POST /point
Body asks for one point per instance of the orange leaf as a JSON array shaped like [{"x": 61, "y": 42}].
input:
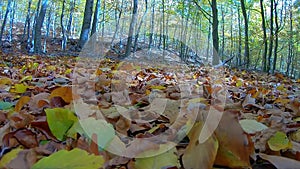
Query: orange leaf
[
  {"x": 22, "y": 101},
  {"x": 64, "y": 92}
]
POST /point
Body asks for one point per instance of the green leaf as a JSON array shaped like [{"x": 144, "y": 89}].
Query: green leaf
[
  {"x": 252, "y": 126},
  {"x": 9, "y": 156},
  {"x": 164, "y": 160},
  {"x": 75, "y": 159},
  {"x": 279, "y": 141},
  {"x": 20, "y": 88},
  {"x": 5, "y": 105},
  {"x": 104, "y": 131},
  {"x": 60, "y": 121}
]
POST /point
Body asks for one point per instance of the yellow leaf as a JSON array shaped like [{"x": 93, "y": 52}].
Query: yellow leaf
[
  {"x": 281, "y": 88},
  {"x": 239, "y": 83},
  {"x": 279, "y": 141},
  {"x": 158, "y": 87},
  {"x": 9, "y": 156},
  {"x": 20, "y": 88},
  {"x": 22, "y": 101},
  {"x": 68, "y": 71},
  {"x": 283, "y": 101},
  {"x": 5, "y": 81},
  {"x": 64, "y": 92},
  {"x": 26, "y": 78}
]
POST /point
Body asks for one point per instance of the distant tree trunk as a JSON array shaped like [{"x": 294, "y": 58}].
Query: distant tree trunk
[
  {"x": 276, "y": 36},
  {"x": 131, "y": 28},
  {"x": 118, "y": 23},
  {"x": 38, "y": 28},
  {"x": 208, "y": 42},
  {"x": 69, "y": 27},
  {"x": 239, "y": 60},
  {"x": 271, "y": 36},
  {"x": 264, "y": 58},
  {"x": 223, "y": 34},
  {"x": 34, "y": 24},
  {"x": 215, "y": 34},
  {"x": 47, "y": 29},
  {"x": 291, "y": 46},
  {"x": 63, "y": 29},
  {"x": 152, "y": 24},
  {"x": 231, "y": 34},
  {"x": 12, "y": 18},
  {"x": 27, "y": 23},
  {"x": 247, "y": 50},
  {"x": 8, "y": 8},
  {"x": 140, "y": 26},
  {"x": 86, "y": 25},
  {"x": 103, "y": 18},
  {"x": 96, "y": 17}
]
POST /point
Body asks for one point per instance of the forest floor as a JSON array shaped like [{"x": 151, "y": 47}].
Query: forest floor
[{"x": 71, "y": 112}]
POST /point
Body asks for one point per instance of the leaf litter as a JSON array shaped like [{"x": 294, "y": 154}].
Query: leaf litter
[{"x": 39, "y": 124}]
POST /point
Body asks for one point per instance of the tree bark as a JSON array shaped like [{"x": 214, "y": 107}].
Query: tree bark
[
  {"x": 152, "y": 24},
  {"x": 63, "y": 29},
  {"x": 140, "y": 26},
  {"x": 264, "y": 58},
  {"x": 215, "y": 34},
  {"x": 96, "y": 17},
  {"x": 38, "y": 28},
  {"x": 276, "y": 36},
  {"x": 271, "y": 36},
  {"x": 8, "y": 8},
  {"x": 247, "y": 50},
  {"x": 131, "y": 28},
  {"x": 86, "y": 25}
]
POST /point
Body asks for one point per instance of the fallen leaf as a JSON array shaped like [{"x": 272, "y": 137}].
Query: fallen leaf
[
  {"x": 9, "y": 156},
  {"x": 279, "y": 141},
  {"x": 60, "y": 121},
  {"x": 22, "y": 101},
  {"x": 75, "y": 159},
  {"x": 20, "y": 88},
  {"x": 281, "y": 162},
  {"x": 64, "y": 92},
  {"x": 252, "y": 126},
  {"x": 200, "y": 155},
  {"x": 5, "y": 105},
  {"x": 165, "y": 160}
]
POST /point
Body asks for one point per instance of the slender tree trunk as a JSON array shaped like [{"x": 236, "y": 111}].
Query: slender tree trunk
[
  {"x": 96, "y": 17},
  {"x": 247, "y": 50},
  {"x": 103, "y": 18},
  {"x": 152, "y": 24},
  {"x": 290, "y": 48},
  {"x": 117, "y": 24},
  {"x": 276, "y": 37},
  {"x": 47, "y": 29},
  {"x": 8, "y": 8},
  {"x": 140, "y": 26},
  {"x": 223, "y": 34},
  {"x": 271, "y": 36},
  {"x": 264, "y": 58},
  {"x": 27, "y": 22},
  {"x": 86, "y": 25},
  {"x": 215, "y": 34},
  {"x": 12, "y": 18},
  {"x": 131, "y": 28},
  {"x": 38, "y": 28},
  {"x": 240, "y": 40},
  {"x": 69, "y": 27},
  {"x": 63, "y": 29}
]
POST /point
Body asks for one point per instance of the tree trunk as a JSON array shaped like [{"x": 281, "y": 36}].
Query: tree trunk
[
  {"x": 290, "y": 48},
  {"x": 271, "y": 36},
  {"x": 63, "y": 29},
  {"x": 131, "y": 28},
  {"x": 69, "y": 27},
  {"x": 239, "y": 60},
  {"x": 276, "y": 37},
  {"x": 38, "y": 28},
  {"x": 246, "y": 54},
  {"x": 47, "y": 29},
  {"x": 264, "y": 58},
  {"x": 86, "y": 25},
  {"x": 139, "y": 27},
  {"x": 223, "y": 34},
  {"x": 96, "y": 17},
  {"x": 152, "y": 24},
  {"x": 215, "y": 34},
  {"x": 12, "y": 18},
  {"x": 117, "y": 24},
  {"x": 8, "y": 8},
  {"x": 27, "y": 23}
]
